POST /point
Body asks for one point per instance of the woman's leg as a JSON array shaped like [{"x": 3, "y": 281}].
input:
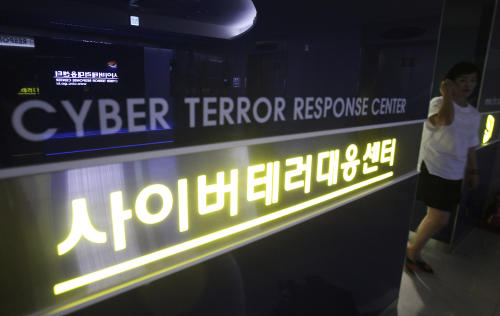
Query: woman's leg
[{"x": 433, "y": 222}]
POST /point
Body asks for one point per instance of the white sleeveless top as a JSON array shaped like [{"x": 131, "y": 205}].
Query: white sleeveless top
[{"x": 444, "y": 148}]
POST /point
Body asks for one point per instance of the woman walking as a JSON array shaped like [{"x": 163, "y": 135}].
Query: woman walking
[{"x": 448, "y": 151}]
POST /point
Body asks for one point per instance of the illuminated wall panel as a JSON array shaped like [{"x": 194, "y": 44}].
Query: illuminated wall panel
[{"x": 114, "y": 226}]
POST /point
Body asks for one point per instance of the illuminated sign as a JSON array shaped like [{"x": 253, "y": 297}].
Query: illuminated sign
[
  {"x": 29, "y": 91},
  {"x": 488, "y": 134},
  {"x": 110, "y": 118},
  {"x": 82, "y": 78},
  {"x": 219, "y": 111},
  {"x": 39, "y": 128},
  {"x": 488, "y": 131},
  {"x": 17, "y": 41},
  {"x": 214, "y": 111},
  {"x": 114, "y": 226},
  {"x": 341, "y": 172}
]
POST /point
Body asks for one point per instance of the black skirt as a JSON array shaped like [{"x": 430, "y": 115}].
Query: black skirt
[{"x": 437, "y": 192}]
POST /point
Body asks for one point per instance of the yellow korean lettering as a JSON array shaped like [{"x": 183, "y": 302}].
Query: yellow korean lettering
[
  {"x": 253, "y": 182},
  {"x": 372, "y": 153},
  {"x": 276, "y": 181},
  {"x": 270, "y": 180},
  {"x": 118, "y": 217},
  {"x": 350, "y": 166},
  {"x": 331, "y": 175},
  {"x": 141, "y": 209},
  {"x": 388, "y": 150},
  {"x": 81, "y": 226},
  {"x": 488, "y": 132},
  {"x": 301, "y": 168},
  {"x": 183, "y": 205},
  {"x": 219, "y": 188}
]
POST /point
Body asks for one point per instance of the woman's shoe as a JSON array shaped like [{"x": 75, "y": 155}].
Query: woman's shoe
[
  {"x": 419, "y": 264},
  {"x": 411, "y": 266},
  {"x": 424, "y": 266}
]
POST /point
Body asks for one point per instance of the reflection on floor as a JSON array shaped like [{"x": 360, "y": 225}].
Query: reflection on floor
[{"x": 466, "y": 282}]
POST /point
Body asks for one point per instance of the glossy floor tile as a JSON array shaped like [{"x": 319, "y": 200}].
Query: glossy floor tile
[{"x": 466, "y": 281}]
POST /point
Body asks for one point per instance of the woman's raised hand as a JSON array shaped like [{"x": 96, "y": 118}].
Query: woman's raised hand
[{"x": 448, "y": 88}]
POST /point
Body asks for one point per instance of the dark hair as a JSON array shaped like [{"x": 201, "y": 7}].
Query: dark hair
[{"x": 461, "y": 68}]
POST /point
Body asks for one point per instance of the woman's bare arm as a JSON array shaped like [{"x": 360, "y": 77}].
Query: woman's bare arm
[
  {"x": 446, "y": 112},
  {"x": 472, "y": 175}
]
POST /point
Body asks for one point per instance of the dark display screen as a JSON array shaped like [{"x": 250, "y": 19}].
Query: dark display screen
[{"x": 77, "y": 99}]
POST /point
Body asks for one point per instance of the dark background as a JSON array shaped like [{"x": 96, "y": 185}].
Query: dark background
[
  {"x": 318, "y": 50},
  {"x": 348, "y": 261}
]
